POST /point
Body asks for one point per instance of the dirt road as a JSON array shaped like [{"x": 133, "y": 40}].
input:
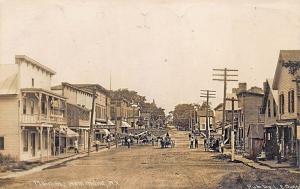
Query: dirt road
[{"x": 137, "y": 167}]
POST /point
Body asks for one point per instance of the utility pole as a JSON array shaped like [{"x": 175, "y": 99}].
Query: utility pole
[
  {"x": 207, "y": 94},
  {"x": 225, "y": 76},
  {"x": 232, "y": 127},
  {"x": 92, "y": 121}
]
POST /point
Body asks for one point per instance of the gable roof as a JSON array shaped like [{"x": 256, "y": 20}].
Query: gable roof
[
  {"x": 284, "y": 56},
  {"x": 8, "y": 79},
  {"x": 269, "y": 90}
]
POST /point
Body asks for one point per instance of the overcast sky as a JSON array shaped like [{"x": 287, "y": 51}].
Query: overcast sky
[{"x": 163, "y": 49}]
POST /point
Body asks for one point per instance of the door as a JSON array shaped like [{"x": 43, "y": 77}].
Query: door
[{"x": 32, "y": 137}]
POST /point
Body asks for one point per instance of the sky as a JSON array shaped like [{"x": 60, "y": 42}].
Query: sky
[{"x": 163, "y": 49}]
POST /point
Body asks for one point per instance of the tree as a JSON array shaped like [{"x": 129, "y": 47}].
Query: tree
[{"x": 182, "y": 115}]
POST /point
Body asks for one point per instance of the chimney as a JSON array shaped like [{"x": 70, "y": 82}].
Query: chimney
[{"x": 242, "y": 87}]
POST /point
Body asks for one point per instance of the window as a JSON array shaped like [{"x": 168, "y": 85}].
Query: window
[
  {"x": 25, "y": 140},
  {"x": 2, "y": 143},
  {"x": 291, "y": 102},
  {"x": 32, "y": 82},
  {"x": 32, "y": 107},
  {"x": 24, "y": 106},
  {"x": 281, "y": 104},
  {"x": 269, "y": 108},
  {"x": 43, "y": 107},
  {"x": 274, "y": 108}
]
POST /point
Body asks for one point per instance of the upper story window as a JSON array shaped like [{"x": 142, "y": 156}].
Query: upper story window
[
  {"x": 32, "y": 106},
  {"x": 32, "y": 82},
  {"x": 274, "y": 108},
  {"x": 291, "y": 102},
  {"x": 24, "y": 106},
  {"x": 269, "y": 108},
  {"x": 281, "y": 104}
]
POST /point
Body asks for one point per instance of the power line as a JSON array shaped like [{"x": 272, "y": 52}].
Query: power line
[
  {"x": 207, "y": 94},
  {"x": 222, "y": 75}
]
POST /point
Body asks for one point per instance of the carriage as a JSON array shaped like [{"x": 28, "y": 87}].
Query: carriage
[{"x": 166, "y": 142}]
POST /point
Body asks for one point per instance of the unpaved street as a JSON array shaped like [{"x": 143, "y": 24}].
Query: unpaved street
[{"x": 138, "y": 167}]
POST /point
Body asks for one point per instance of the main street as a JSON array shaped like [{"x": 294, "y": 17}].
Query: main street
[{"x": 138, "y": 167}]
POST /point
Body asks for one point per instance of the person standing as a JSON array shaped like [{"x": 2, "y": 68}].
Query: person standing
[
  {"x": 97, "y": 145},
  {"x": 128, "y": 142},
  {"x": 192, "y": 143},
  {"x": 108, "y": 142},
  {"x": 76, "y": 146},
  {"x": 196, "y": 142},
  {"x": 205, "y": 144}
]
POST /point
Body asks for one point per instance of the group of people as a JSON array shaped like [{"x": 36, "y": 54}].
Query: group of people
[{"x": 194, "y": 141}]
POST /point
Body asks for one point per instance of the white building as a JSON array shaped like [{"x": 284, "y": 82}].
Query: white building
[{"x": 32, "y": 118}]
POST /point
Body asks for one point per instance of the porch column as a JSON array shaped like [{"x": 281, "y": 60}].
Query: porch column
[
  {"x": 54, "y": 147},
  {"x": 83, "y": 131},
  {"x": 41, "y": 143},
  {"x": 48, "y": 143},
  {"x": 39, "y": 97},
  {"x": 59, "y": 143},
  {"x": 47, "y": 107}
]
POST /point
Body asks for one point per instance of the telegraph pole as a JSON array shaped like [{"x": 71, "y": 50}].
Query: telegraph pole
[
  {"x": 91, "y": 122},
  {"x": 232, "y": 127},
  {"x": 207, "y": 94},
  {"x": 225, "y": 76}
]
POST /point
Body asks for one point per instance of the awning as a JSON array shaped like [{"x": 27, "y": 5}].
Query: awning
[
  {"x": 67, "y": 132},
  {"x": 110, "y": 123},
  {"x": 125, "y": 124},
  {"x": 104, "y": 131},
  {"x": 70, "y": 133},
  {"x": 282, "y": 124}
]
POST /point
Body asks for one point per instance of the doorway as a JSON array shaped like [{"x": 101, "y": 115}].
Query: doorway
[{"x": 32, "y": 137}]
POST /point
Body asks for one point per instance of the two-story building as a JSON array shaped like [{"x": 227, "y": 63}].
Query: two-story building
[
  {"x": 270, "y": 111},
  {"x": 103, "y": 125},
  {"x": 119, "y": 114},
  {"x": 32, "y": 117},
  {"x": 286, "y": 82},
  {"x": 79, "y": 106},
  {"x": 252, "y": 123}
]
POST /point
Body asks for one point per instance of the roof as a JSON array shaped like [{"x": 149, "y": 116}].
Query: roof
[
  {"x": 8, "y": 79},
  {"x": 34, "y": 63},
  {"x": 89, "y": 87},
  {"x": 268, "y": 89},
  {"x": 284, "y": 57},
  {"x": 60, "y": 87}
]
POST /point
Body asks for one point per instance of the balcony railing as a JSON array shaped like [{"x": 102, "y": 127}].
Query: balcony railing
[{"x": 42, "y": 118}]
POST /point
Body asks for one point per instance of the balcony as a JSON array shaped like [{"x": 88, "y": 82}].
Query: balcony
[{"x": 42, "y": 118}]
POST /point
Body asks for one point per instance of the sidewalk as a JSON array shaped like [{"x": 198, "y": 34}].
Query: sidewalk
[
  {"x": 264, "y": 165},
  {"x": 50, "y": 163}
]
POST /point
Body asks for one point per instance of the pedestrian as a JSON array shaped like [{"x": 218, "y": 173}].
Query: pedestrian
[
  {"x": 192, "y": 143},
  {"x": 97, "y": 145},
  {"x": 196, "y": 142},
  {"x": 76, "y": 146},
  {"x": 205, "y": 144},
  {"x": 128, "y": 142},
  {"x": 222, "y": 147},
  {"x": 108, "y": 142}
]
